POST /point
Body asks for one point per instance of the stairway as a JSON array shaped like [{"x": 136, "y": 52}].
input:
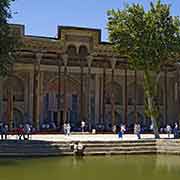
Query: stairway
[{"x": 45, "y": 148}]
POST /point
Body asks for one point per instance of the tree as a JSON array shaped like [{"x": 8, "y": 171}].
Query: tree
[
  {"x": 150, "y": 40},
  {"x": 8, "y": 41}
]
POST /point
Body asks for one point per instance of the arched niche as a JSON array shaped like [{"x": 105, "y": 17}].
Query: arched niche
[
  {"x": 72, "y": 51},
  {"x": 83, "y": 51}
]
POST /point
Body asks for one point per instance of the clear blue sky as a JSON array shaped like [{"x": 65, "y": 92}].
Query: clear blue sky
[{"x": 41, "y": 17}]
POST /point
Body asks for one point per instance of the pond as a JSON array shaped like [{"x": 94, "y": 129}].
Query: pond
[{"x": 92, "y": 168}]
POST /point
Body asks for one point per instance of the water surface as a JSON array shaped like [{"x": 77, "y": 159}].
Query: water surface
[{"x": 92, "y": 168}]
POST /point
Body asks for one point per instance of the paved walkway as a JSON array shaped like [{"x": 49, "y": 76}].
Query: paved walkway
[{"x": 88, "y": 137}]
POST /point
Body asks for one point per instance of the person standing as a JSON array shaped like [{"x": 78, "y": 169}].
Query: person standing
[
  {"x": 83, "y": 124},
  {"x": 27, "y": 130},
  {"x": 175, "y": 131},
  {"x": 168, "y": 129},
  {"x": 68, "y": 129},
  {"x": 137, "y": 130},
  {"x": 1, "y": 130},
  {"x": 65, "y": 129},
  {"x": 122, "y": 129},
  {"x": 6, "y": 128}
]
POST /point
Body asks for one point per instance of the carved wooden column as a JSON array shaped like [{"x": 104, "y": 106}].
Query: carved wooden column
[
  {"x": 126, "y": 98},
  {"x": 104, "y": 94},
  {"x": 41, "y": 97},
  {"x": 135, "y": 96},
  {"x": 178, "y": 90},
  {"x": 81, "y": 89},
  {"x": 113, "y": 63},
  {"x": 65, "y": 118},
  {"x": 59, "y": 94},
  {"x": 100, "y": 99},
  {"x": 90, "y": 59},
  {"x": 10, "y": 104},
  {"x": 36, "y": 91},
  {"x": 1, "y": 97},
  {"x": 165, "y": 97}
]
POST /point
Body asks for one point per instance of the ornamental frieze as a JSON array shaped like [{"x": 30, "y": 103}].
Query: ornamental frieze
[{"x": 42, "y": 44}]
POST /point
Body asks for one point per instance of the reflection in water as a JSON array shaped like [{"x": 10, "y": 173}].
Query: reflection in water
[
  {"x": 170, "y": 163},
  {"x": 91, "y": 168}
]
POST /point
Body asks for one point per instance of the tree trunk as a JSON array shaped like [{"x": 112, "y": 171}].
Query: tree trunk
[
  {"x": 150, "y": 85},
  {"x": 153, "y": 118}
]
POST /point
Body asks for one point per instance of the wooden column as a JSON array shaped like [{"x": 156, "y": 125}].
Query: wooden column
[
  {"x": 113, "y": 63},
  {"x": 1, "y": 97},
  {"x": 81, "y": 90},
  {"x": 59, "y": 94},
  {"x": 65, "y": 118},
  {"x": 126, "y": 98},
  {"x": 100, "y": 99},
  {"x": 36, "y": 91},
  {"x": 165, "y": 97},
  {"x": 10, "y": 104},
  {"x": 90, "y": 58},
  {"x": 178, "y": 90},
  {"x": 104, "y": 94},
  {"x": 135, "y": 96}
]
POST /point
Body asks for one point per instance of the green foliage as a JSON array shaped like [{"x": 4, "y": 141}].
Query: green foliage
[
  {"x": 150, "y": 38},
  {"x": 8, "y": 41}
]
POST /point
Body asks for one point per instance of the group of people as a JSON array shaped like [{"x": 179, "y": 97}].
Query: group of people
[
  {"x": 67, "y": 128},
  {"x": 22, "y": 131},
  {"x": 3, "y": 130},
  {"x": 137, "y": 130},
  {"x": 174, "y": 130}
]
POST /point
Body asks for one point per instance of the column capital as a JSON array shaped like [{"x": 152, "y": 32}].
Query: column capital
[
  {"x": 89, "y": 60},
  {"x": 65, "y": 59},
  {"x": 39, "y": 56},
  {"x": 113, "y": 62}
]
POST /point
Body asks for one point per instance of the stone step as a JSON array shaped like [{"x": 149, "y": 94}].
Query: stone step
[
  {"x": 121, "y": 149},
  {"x": 118, "y": 145},
  {"x": 34, "y": 154},
  {"x": 119, "y": 152}
]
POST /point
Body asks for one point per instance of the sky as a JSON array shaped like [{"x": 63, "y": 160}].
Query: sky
[{"x": 41, "y": 17}]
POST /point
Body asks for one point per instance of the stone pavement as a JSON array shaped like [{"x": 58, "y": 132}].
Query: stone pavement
[{"x": 89, "y": 137}]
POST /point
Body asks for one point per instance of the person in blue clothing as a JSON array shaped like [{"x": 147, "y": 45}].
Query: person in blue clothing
[
  {"x": 175, "y": 130},
  {"x": 137, "y": 130},
  {"x": 122, "y": 130},
  {"x": 3, "y": 130}
]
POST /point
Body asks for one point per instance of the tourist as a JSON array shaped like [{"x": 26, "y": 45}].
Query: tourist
[
  {"x": 175, "y": 130},
  {"x": 114, "y": 128},
  {"x": 68, "y": 129},
  {"x": 4, "y": 130},
  {"x": 137, "y": 130},
  {"x": 168, "y": 130},
  {"x": 65, "y": 129},
  {"x": 20, "y": 131},
  {"x": 122, "y": 129},
  {"x": 77, "y": 148},
  {"x": 83, "y": 124},
  {"x": 27, "y": 130},
  {"x": 1, "y": 131}
]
